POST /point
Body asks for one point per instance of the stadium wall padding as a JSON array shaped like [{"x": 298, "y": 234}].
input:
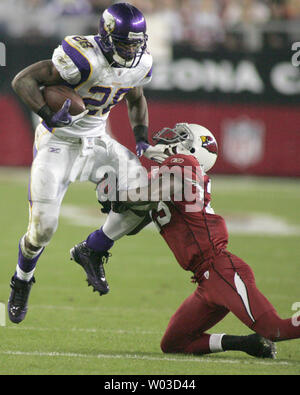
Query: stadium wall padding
[
  {"x": 250, "y": 101},
  {"x": 254, "y": 140}
]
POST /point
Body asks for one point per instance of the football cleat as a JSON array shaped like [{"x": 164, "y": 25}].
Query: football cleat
[
  {"x": 259, "y": 347},
  {"x": 18, "y": 300},
  {"x": 92, "y": 262}
]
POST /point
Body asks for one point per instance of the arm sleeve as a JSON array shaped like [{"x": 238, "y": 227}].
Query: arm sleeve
[
  {"x": 65, "y": 66},
  {"x": 145, "y": 71},
  {"x": 146, "y": 79}
]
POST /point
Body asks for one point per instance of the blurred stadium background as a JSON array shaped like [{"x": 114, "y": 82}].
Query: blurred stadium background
[
  {"x": 229, "y": 65},
  {"x": 226, "y": 64}
]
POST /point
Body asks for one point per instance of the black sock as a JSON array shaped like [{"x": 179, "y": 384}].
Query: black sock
[{"x": 233, "y": 343}]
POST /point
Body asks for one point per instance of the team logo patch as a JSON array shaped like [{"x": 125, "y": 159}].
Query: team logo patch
[
  {"x": 209, "y": 144},
  {"x": 177, "y": 160},
  {"x": 109, "y": 22}
]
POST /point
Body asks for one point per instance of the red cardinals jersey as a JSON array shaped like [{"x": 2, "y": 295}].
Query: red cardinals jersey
[{"x": 195, "y": 237}]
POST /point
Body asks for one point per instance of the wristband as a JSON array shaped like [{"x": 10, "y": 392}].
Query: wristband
[
  {"x": 46, "y": 113},
  {"x": 141, "y": 133}
]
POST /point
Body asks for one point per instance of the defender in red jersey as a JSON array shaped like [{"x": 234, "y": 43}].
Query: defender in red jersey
[
  {"x": 198, "y": 238},
  {"x": 225, "y": 283},
  {"x": 195, "y": 236}
]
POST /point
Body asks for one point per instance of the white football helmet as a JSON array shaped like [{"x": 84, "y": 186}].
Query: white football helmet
[{"x": 187, "y": 139}]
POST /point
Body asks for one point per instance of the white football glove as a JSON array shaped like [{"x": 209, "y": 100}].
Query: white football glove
[{"x": 156, "y": 152}]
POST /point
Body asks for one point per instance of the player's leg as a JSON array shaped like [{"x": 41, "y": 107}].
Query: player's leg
[
  {"x": 47, "y": 187},
  {"x": 49, "y": 180},
  {"x": 241, "y": 296},
  {"x": 31, "y": 246},
  {"x": 93, "y": 252},
  {"x": 124, "y": 173},
  {"x": 186, "y": 331},
  {"x": 42, "y": 225}
]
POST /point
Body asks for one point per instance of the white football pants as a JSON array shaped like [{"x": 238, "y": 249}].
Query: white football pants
[{"x": 59, "y": 162}]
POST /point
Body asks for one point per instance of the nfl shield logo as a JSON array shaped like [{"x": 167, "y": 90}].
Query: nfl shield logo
[{"x": 243, "y": 142}]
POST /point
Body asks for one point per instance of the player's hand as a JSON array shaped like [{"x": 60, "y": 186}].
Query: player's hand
[
  {"x": 63, "y": 118},
  {"x": 156, "y": 153},
  {"x": 141, "y": 147}
]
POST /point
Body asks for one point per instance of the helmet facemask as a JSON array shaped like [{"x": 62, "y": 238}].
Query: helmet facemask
[
  {"x": 179, "y": 139},
  {"x": 128, "y": 53},
  {"x": 189, "y": 139}
]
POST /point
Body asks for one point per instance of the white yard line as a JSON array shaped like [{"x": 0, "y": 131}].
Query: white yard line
[
  {"x": 129, "y": 356},
  {"x": 103, "y": 309},
  {"x": 148, "y": 358},
  {"x": 85, "y": 330},
  {"x": 237, "y": 223}
]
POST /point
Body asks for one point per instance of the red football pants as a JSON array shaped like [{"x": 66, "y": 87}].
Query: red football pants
[{"x": 228, "y": 285}]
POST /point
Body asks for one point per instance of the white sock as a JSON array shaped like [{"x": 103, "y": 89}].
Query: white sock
[
  {"x": 28, "y": 254},
  {"x": 23, "y": 275},
  {"x": 215, "y": 342}
]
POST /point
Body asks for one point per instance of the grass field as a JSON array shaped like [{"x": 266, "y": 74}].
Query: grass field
[{"x": 71, "y": 330}]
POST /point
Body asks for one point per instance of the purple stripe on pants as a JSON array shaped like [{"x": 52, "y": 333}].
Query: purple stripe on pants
[
  {"x": 149, "y": 73},
  {"x": 29, "y": 183},
  {"x": 47, "y": 127}
]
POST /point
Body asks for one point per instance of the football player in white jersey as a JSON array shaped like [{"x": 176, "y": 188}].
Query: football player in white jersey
[{"x": 102, "y": 69}]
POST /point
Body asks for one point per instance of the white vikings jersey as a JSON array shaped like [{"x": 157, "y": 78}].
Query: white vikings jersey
[{"x": 81, "y": 63}]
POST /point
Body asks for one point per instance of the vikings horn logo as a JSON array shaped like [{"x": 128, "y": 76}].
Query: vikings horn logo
[
  {"x": 209, "y": 144},
  {"x": 109, "y": 22}
]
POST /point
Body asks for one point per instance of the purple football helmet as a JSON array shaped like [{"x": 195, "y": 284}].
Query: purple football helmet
[{"x": 123, "y": 35}]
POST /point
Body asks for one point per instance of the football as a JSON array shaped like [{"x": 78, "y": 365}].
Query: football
[{"x": 56, "y": 95}]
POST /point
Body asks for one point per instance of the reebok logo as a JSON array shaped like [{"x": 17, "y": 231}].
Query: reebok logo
[{"x": 54, "y": 150}]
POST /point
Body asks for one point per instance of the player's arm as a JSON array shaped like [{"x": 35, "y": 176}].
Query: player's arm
[
  {"x": 161, "y": 188},
  {"x": 138, "y": 117},
  {"x": 27, "y": 85},
  {"x": 139, "y": 120},
  {"x": 176, "y": 183},
  {"x": 28, "y": 82}
]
